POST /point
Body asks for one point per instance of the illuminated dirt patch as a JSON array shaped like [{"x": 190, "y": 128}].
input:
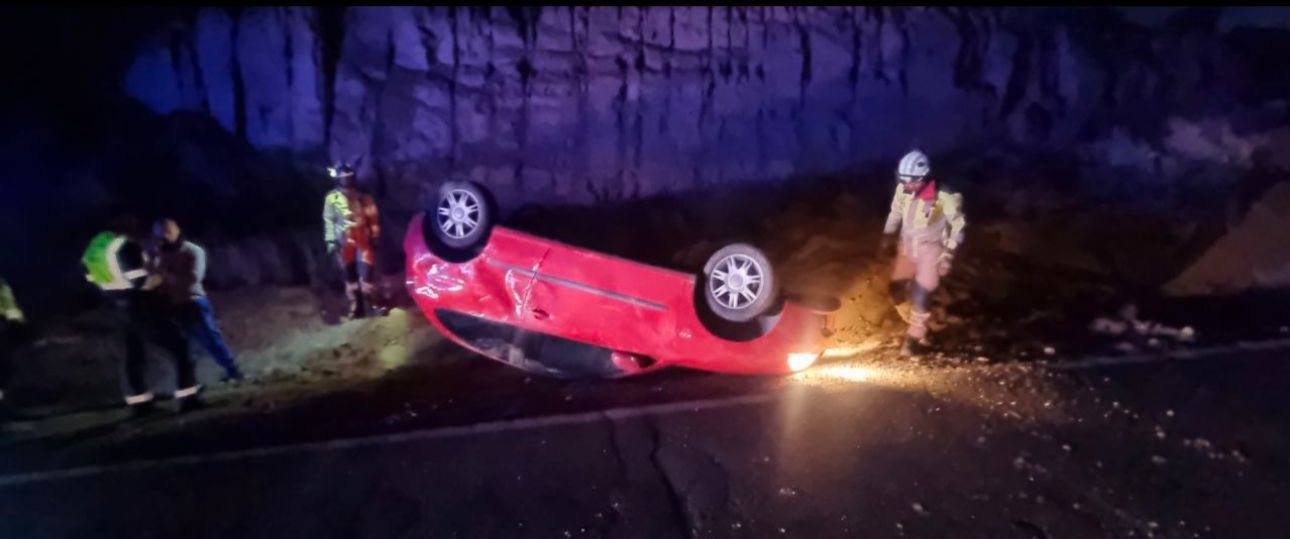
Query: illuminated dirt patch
[{"x": 1019, "y": 392}]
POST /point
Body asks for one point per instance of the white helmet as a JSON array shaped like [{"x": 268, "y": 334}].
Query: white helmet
[
  {"x": 913, "y": 166},
  {"x": 340, "y": 170}
]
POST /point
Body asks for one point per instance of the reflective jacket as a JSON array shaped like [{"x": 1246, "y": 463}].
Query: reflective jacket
[
  {"x": 114, "y": 263},
  {"x": 8, "y": 306},
  {"x": 939, "y": 221},
  {"x": 350, "y": 216}
]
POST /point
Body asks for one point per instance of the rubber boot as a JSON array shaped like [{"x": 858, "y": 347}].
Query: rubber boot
[
  {"x": 913, "y": 347},
  {"x": 190, "y": 399},
  {"x": 905, "y": 311},
  {"x": 233, "y": 376}
]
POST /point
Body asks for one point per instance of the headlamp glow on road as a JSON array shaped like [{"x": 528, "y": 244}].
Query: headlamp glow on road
[{"x": 800, "y": 361}]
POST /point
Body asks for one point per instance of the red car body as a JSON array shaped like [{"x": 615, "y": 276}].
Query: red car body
[{"x": 637, "y": 318}]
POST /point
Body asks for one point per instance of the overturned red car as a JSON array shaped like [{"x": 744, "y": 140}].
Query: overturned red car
[{"x": 559, "y": 310}]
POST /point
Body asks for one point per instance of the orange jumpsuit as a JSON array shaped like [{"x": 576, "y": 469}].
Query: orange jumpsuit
[{"x": 352, "y": 224}]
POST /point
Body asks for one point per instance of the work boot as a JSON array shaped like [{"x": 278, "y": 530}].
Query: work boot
[
  {"x": 191, "y": 404},
  {"x": 905, "y": 310},
  {"x": 233, "y": 376},
  {"x": 356, "y": 310},
  {"x": 914, "y": 347}
]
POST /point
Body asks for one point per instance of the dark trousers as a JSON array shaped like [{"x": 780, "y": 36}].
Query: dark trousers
[
  {"x": 12, "y": 336},
  {"x": 358, "y": 282},
  {"x": 146, "y": 320},
  {"x": 7, "y": 344},
  {"x": 198, "y": 320}
]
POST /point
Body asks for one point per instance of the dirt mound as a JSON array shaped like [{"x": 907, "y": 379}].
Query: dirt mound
[
  {"x": 277, "y": 334},
  {"x": 1017, "y": 280},
  {"x": 1254, "y": 254}
]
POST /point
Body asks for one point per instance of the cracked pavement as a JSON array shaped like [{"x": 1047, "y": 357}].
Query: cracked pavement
[{"x": 1166, "y": 449}]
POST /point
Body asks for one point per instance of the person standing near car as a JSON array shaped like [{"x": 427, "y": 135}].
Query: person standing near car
[
  {"x": 116, "y": 261},
  {"x": 11, "y": 322},
  {"x": 351, "y": 228},
  {"x": 182, "y": 266},
  {"x": 930, "y": 221}
]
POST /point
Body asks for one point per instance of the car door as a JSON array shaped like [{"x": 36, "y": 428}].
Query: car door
[
  {"x": 504, "y": 275},
  {"x": 604, "y": 300}
]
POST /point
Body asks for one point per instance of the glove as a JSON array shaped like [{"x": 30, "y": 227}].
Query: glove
[
  {"x": 153, "y": 282},
  {"x": 943, "y": 265},
  {"x": 884, "y": 246}
]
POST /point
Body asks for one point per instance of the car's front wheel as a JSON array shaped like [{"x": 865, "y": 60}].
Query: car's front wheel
[
  {"x": 739, "y": 283},
  {"x": 461, "y": 215}
]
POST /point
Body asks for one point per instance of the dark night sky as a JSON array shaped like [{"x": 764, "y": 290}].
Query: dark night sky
[{"x": 61, "y": 53}]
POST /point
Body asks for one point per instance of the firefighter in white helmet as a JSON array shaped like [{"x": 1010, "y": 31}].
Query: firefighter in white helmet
[{"x": 930, "y": 221}]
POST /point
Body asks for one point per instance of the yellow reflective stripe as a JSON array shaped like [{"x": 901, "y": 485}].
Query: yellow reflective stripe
[
  {"x": 119, "y": 281},
  {"x": 112, "y": 250},
  {"x": 922, "y": 215},
  {"x": 952, "y": 207},
  {"x": 336, "y": 208},
  {"x": 338, "y": 200},
  {"x": 898, "y": 204}
]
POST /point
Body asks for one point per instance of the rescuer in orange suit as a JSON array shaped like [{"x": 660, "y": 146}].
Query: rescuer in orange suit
[{"x": 351, "y": 228}]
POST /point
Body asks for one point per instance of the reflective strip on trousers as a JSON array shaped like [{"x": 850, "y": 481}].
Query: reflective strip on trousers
[
  {"x": 138, "y": 399},
  {"x": 187, "y": 392},
  {"x": 918, "y": 324}
]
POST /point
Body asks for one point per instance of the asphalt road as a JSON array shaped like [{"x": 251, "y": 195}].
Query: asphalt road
[{"x": 1153, "y": 447}]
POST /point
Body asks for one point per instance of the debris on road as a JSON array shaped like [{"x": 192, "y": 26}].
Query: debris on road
[
  {"x": 1128, "y": 321},
  {"x": 403, "y": 416}
]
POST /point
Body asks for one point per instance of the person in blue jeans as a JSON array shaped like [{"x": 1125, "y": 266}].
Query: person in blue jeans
[{"x": 182, "y": 266}]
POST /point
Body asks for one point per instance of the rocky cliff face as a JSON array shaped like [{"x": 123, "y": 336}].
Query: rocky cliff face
[
  {"x": 588, "y": 104},
  {"x": 225, "y": 117}
]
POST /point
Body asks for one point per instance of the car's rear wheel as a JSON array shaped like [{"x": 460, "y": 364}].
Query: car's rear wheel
[
  {"x": 739, "y": 283},
  {"x": 461, "y": 215}
]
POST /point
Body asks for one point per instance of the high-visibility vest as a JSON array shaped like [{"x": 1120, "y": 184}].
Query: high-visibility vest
[
  {"x": 8, "y": 306},
  {"x": 350, "y": 216},
  {"x": 943, "y": 216},
  {"x": 102, "y": 261}
]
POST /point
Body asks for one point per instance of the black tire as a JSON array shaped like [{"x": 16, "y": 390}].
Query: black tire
[
  {"x": 753, "y": 290},
  {"x": 461, "y": 216}
]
